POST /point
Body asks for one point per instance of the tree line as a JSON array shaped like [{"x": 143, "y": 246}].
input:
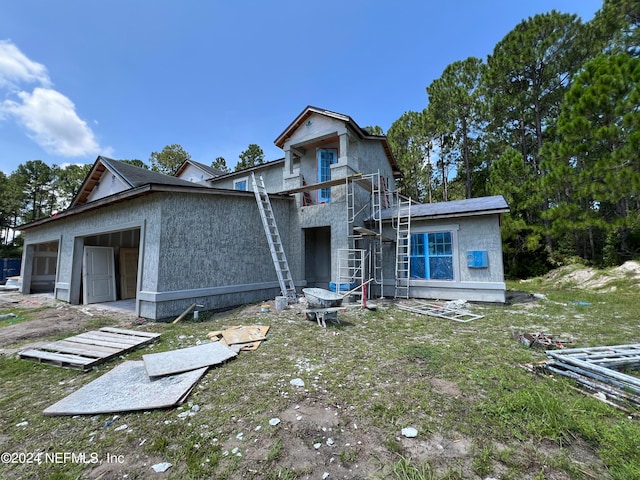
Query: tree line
[{"x": 550, "y": 120}]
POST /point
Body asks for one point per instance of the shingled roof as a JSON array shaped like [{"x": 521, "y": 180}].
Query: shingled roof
[
  {"x": 455, "y": 208},
  {"x": 127, "y": 173},
  {"x": 211, "y": 171}
]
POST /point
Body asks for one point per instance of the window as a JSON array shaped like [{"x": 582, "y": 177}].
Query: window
[
  {"x": 240, "y": 184},
  {"x": 326, "y": 158},
  {"x": 432, "y": 256}
]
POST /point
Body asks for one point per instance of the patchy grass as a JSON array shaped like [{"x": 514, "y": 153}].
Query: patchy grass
[{"x": 478, "y": 414}]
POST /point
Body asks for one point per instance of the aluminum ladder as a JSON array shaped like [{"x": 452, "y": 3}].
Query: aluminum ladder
[
  {"x": 280, "y": 263},
  {"x": 403, "y": 246}
]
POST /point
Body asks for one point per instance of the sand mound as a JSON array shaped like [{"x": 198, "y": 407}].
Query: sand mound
[{"x": 588, "y": 277}]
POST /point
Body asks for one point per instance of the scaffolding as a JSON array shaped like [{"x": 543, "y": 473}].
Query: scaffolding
[
  {"x": 367, "y": 195},
  {"x": 351, "y": 270}
]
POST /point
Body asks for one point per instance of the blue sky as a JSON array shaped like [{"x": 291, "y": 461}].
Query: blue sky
[{"x": 121, "y": 78}]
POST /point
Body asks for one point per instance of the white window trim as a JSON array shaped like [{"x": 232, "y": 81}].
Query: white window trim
[
  {"x": 455, "y": 250},
  {"x": 240, "y": 180}
]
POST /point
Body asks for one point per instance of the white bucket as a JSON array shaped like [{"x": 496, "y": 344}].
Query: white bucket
[{"x": 281, "y": 303}]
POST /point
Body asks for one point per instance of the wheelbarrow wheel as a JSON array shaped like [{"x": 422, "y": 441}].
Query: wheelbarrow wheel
[{"x": 311, "y": 316}]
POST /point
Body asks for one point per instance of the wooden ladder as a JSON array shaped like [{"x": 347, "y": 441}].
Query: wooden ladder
[{"x": 287, "y": 286}]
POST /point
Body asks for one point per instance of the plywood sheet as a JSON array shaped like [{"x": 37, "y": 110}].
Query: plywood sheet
[
  {"x": 127, "y": 388},
  {"x": 185, "y": 359},
  {"x": 245, "y": 334}
]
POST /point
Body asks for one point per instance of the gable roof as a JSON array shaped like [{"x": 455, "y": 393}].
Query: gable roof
[
  {"x": 129, "y": 174},
  {"x": 243, "y": 172},
  {"x": 455, "y": 208},
  {"x": 211, "y": 171},
  {"x": 361, "y": 132}
]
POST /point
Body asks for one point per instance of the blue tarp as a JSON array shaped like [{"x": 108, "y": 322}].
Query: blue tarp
[{"x": 9, "y": 267}]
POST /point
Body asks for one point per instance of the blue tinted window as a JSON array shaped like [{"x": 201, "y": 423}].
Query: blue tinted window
[
  {"x": 326, "y": 158},
  {"x": 435, "y": 262}
]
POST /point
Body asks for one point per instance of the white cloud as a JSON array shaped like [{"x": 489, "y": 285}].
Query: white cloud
[
  {"x": 51, "y": 119},
  {"x": 16, "y": 68}
]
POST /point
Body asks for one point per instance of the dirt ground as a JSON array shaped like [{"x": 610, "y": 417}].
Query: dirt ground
[
  {"x": 315, "y": 424},
  {"x": 68, "y": 318}
]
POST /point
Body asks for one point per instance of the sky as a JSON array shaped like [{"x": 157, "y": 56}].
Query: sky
[{"x": 125, "y": 78}]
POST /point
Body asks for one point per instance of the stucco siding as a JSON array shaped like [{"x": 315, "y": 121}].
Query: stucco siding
[
  {"x": 140, "y": 213},
  {"x": 271, "y": 174},
  {"x": 469, "y": 234},
  {"x": 316, "y": 126},
  {"x": 214, "y": 252},
  {"x": 206, "y": 249}
]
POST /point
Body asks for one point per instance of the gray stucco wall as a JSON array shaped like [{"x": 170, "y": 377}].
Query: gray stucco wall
[
  {"x": 271, "y": 174},
  {"x": 214, "y": 252},
  {"x": 141, "y": 213},
  {"x": 194, "y": 248},
  {"x": 473, "y": 284}
]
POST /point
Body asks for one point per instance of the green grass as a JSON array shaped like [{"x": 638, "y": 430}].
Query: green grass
[{"x": 461, "y": 385}]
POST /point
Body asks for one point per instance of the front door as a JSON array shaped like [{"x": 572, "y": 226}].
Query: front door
[{"x": 98, "y": 277}]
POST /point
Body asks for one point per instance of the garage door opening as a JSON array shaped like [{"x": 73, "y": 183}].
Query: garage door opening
[
  {"x": 41, "y": 267},
  {"x": 108, "y": 263}
]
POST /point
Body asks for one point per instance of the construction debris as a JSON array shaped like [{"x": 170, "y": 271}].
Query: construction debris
[
  {"x": 451, "y": 310},
  {"x": 186, "y": 312},
  {"x": 539, "y": 340},
  {"x": 160, "y": 380},
  {"x": 185, "y": 359},
  {"x": 248, "y": 337},
  {"x": 127, "y": 387},
  {"x": 596, "y": 370}
]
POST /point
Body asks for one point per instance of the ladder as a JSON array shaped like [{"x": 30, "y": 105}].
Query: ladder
[
  {"x": 287, "y": 286},
  {"x": 403, "y": 246},
  {"x": 377, "y": 189}
]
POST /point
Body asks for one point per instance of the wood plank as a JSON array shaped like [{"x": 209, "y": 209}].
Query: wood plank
[
  {"x": 85, "y": 352},
  {"x": 93, "y": 348},
  {"x": 107, "y": 338},
  {"x": 136, "y": 333},
  {"x": 93, "y": 341},
  {"x": 245, "y": 334},
  {"x": 115, "y": 336},
  {"x": 87, "y": 349},
  {"x": 57, "y": 357}
]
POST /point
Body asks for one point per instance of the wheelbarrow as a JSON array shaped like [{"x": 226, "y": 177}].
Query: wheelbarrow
[{"x": 323, "y": 305}]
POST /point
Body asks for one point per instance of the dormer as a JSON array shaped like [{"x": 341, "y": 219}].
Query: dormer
[
  {"x": 197, "y": 172},
  {"x": 109, "y": 177}
]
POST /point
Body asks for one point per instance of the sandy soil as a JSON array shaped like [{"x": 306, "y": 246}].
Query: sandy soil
[{"x": 54, "y": 318}]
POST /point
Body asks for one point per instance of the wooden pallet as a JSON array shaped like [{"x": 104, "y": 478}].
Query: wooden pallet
[{"x": 88, "y": 349}]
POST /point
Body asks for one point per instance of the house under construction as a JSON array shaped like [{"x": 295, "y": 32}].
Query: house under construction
[{"x": 326, "y": 215}]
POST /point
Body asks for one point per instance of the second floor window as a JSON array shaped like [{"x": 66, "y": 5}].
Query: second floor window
[
  {"x": 326, "y": 158},
  {"x": 240, "y": 184}
]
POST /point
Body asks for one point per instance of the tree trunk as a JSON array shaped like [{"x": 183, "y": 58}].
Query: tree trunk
[{"x": 465, "y": 155}]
